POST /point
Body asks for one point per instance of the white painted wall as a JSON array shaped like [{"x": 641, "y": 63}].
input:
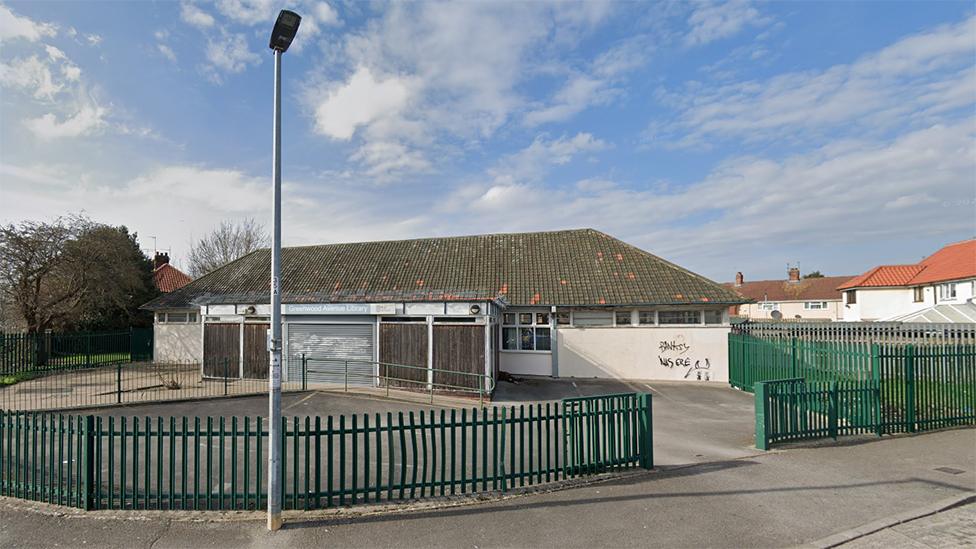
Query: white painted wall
[
  {"x": 652, "y": 353},
  {"x": 528, "y": 363},
  {"x": 177, "y": 343},
  {"x": 882, "y": 303}
]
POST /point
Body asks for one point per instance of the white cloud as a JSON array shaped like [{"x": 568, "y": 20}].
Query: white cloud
[
  {"x": 248, "y": 12},
  {"x": 358, "y": 102},
  {"x": 228, "y": 54},
  {"x": 910, "y": 80},
  {"x": 195, "y": 16},
  {"x": 166, "y": 52},
  {"x": 93, "y": 39},
  {"x": 16, "y": 26},
  {"x": 32, "y": 75},
  {"x": 325, "y": 13},
  {"x": 87, "y": 120},
  {"x": 385, "y": 159},
  {"x": 710, "y": 21}
]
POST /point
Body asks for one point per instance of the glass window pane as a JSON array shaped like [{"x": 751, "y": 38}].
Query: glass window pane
[
  {"x": 192, "y": 317},
  {"x": 508, "y": 318},
  {"x": 525, "y": 319},
  {"x": 647, "y": 317},
  {"x": 542, "y": 318},
  {"x": 679, "y": 317},
  {"x": 510, "y": 338},
  {"x": 175, "y": 317},
  {"x": 562, "y": 319},
  {"x": 592, "y": 318},
  {"x": 542, "y": 340},
  {"x": 713, "y": 317},
  {"x": 526, "y": 339},
  {"x": 623, "y": 318}
]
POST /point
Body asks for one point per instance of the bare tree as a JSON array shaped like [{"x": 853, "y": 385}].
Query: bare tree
[{"x": 226, "y": 243}]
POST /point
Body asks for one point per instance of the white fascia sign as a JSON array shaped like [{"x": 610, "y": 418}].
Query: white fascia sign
[{"x": 339, "y": 309}]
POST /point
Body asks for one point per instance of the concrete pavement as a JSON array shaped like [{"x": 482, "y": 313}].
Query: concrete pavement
[{"x": 774, "y": 499}]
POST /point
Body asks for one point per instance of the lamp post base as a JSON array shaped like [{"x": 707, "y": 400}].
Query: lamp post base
[{"x": 274, "y": 522}]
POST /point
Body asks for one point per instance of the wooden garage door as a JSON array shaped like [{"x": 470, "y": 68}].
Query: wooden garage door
[
  {"x": 404, "y": 344},
  {"x": 256, "y": 359},
  {"x": 459, "y": 349},
  {"x": 221, "y": 350}
]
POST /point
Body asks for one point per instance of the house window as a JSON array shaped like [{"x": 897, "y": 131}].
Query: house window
[
  {"x": 646, "y": 318},
  {"x": 593, "y": 317},
  {"x": 947, "y": 291},
  {"x": 919, "y": 293},
  {"x": 851, "y": 296},
  {"x": 528, "y": 332},
  {"x": 815, "y": 305},
  {"x": 679, "y": 317},
  {"x": 563, "y": 318},
  {"x": 623, "y": 318},
  {"x": 769, "y": 306},
  {"x": 713, "y": 317}
]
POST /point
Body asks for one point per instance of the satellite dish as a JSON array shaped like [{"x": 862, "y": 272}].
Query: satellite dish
[{"x": 776, "y": 315}]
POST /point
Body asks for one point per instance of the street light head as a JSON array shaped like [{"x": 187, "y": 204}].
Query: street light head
[{"x": 285, "y": 29}]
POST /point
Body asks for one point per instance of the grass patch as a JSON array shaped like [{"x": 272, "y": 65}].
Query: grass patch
[{"x": 13, "y": 379}]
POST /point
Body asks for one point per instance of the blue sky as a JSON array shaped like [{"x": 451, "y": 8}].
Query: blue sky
[{"x": 722, "y": 136}]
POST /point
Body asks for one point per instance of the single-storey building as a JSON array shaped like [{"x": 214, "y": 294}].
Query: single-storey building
[{"x": 573, "y": 303}]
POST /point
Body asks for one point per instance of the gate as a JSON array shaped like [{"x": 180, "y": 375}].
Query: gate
[{"x": 606, "y": 432}]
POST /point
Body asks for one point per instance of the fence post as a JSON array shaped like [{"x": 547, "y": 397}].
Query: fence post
[
  {"x": 876, "y": 387},
  {"x": 646, "y": 430},
  {"x": 762, "y": 439},
  {"x": 304, "y": 373},
  {"x": 910, "y": 387},
  {"x": 793, "y": 359},
  {"x": 118, "y": 383},
  {"x": 225, "y": 374},
  {"x": 88, "y": 465},
  {"x": 832, "y": 412}
]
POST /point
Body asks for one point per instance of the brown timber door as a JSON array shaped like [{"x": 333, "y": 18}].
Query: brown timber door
[
  {"x": 459, "y": 348},
  {"x": 256, "y": 359},
  {"x": 221, "y": 350},
  {"x": 403, "y": 344}
]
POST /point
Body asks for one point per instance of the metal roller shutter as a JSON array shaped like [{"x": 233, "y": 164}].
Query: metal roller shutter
[{"x": 327, "y": 348}]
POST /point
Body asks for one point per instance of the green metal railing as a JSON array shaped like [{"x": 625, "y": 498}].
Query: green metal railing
[
  {"x": 32, "y": 352},
  {"x": 94, "y": 462}
]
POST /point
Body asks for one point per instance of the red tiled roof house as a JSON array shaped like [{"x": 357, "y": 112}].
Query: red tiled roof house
[
  {"x": 792, "y": 299},
  {"x": 887, "y": 292}
]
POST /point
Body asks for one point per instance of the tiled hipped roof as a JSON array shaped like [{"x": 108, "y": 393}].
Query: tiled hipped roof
[
  {"x": 807, "y": 289},
  {"x": 168, "y": 278},
  {"x": 574, "y": 267},
  {"x": 953, "y": 262}
]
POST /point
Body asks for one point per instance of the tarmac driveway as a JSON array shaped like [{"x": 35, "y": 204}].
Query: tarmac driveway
[{"x": 693, "y": 422}]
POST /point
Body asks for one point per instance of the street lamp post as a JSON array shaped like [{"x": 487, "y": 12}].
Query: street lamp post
[{"x": 281, "y": 37}]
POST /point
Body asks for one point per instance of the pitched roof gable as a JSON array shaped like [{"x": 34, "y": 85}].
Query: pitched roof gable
[
  {"x": 168, "y": 278},
  {"x": 572, "y": 267},
  {"x": 952, "y": 262}
]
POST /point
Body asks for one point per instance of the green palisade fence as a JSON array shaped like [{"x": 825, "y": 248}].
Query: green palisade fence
[
  {"x": 38, "y": 352},
  {"x": 95, "y": 462}
]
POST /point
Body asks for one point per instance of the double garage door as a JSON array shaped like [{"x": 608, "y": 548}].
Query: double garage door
[{"x": 331, "y": 351}]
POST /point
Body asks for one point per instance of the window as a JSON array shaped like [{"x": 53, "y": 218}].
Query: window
[
  {"x": 815, "y": 305},
  {"x": 851, "y": 296},
  {"x": 563, "y": 318},
  {"x": 679, "y": 317},
  {"x": 713, "y": 317},
  {"x": 526, "y": 332},
  {"x": 919, "y": 293},
  {"x": 593, "y": 317},
  {"x": 623, "y": 318},
  {"x": 646, "y": 318},
  {"x": 769, "y": 306},
  {"x": 176, "y": 318},
  {"x": 947, "y": 291}
]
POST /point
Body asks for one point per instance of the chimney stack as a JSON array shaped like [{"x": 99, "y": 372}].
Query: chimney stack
[
  {"x": 739, "y": 279},
  {"x": 794, "y": 274},
  {"x": 160, "y": 259}
]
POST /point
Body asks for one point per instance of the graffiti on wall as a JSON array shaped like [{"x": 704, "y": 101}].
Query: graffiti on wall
[{"x": 676, "y": 353}]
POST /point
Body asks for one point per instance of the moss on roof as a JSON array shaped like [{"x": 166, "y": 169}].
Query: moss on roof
[{"x": 572, "y": 267}]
